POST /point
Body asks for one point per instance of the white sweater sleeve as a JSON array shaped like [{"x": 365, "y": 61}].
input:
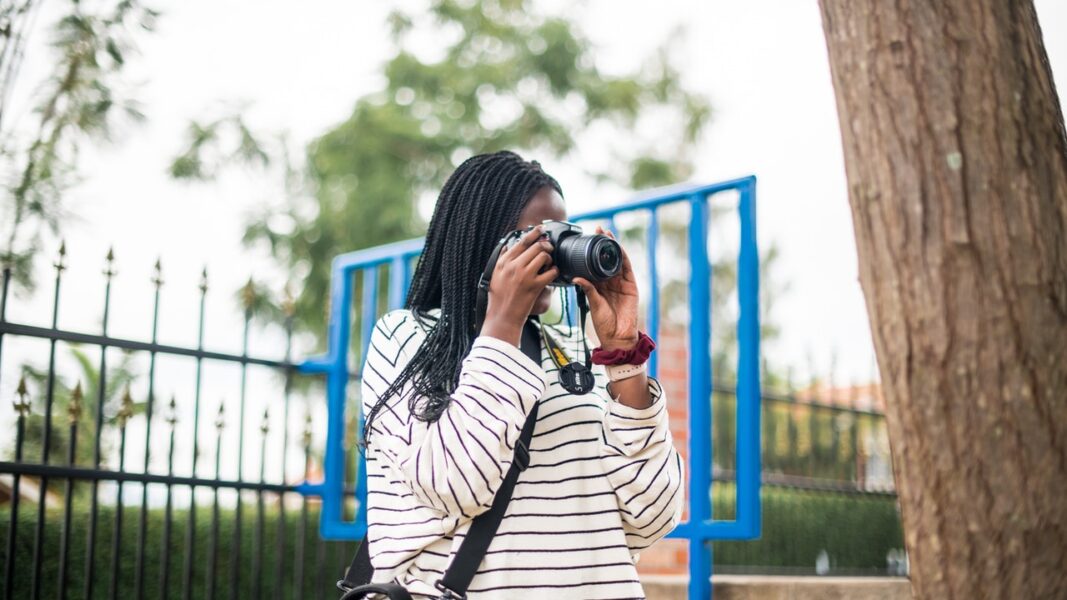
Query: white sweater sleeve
[
  {"x": 644, "y": 468},
  {"x": 455, "y": 464}
]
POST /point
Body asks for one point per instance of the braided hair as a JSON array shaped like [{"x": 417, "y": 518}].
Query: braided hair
[{"x": 479, "y": 204}]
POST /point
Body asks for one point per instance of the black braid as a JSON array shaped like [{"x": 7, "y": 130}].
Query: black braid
[{"x": 479, "y": 204}]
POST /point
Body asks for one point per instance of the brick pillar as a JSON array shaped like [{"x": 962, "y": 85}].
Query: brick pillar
[{"x": 671, "y": 557}]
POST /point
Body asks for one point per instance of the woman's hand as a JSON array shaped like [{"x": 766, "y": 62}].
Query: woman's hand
[
  {"x": 521, "y": 273},
  {"x": 613, "y": 305}
]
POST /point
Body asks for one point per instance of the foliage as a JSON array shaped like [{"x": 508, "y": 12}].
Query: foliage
[
  {"x": 506, "y": 76},
  {"x": 323, "y": 562},
  {"x": 81, "y": 101},
  {"x": 857, "y": 531}
]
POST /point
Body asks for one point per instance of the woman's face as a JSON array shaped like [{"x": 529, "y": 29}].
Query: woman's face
[{"x": 546, "y": 204}]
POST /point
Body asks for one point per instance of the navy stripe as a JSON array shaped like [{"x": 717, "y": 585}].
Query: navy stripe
[
  {"x": 562, "y": 427},
  {"x": 554, "y": 586}
]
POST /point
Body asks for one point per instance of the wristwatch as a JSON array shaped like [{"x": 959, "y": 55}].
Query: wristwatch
[{"x": 618, "y": 372}]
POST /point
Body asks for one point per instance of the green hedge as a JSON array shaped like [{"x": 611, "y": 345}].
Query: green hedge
[
  {"x": 323, "y": 562},
  {"x": 856, "y": 531}
]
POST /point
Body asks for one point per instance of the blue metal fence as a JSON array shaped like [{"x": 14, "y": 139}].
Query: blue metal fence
[{"x": 701, "y": 528}]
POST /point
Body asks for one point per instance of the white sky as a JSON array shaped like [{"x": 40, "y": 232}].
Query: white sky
[{"x": 300, "y": 66}]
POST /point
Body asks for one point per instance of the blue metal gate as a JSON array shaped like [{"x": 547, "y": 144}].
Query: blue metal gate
[{"x": 701, "y": 528}]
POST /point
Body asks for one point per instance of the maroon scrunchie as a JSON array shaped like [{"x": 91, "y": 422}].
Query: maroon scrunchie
[{"x": 634, "y": 356}]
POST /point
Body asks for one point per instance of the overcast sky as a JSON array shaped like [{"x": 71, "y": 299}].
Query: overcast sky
[{"x": 300, "y": 66}]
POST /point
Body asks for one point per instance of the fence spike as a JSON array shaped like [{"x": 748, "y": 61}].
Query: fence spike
[
  {"x": 220, "y": 417},
  {"x": 74, "y": 409},
  {"x": 125, "y": 408},
  {"x": 307, "y": 429},
  {"x": 22, "y": 405},
  {"x": 109, "y": 263},
  {"x": 172, "y": 413},
  {"x": 264, "y": 425},
  {"x": 248, "y": 294},
  {"x": 288, "y": 302},
  {"x": 61, "y": 263},
  {"x": 203, "y": 279},
  {"x": 157, "y": 276}
]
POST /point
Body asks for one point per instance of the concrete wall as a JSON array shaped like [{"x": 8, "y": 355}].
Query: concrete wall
[{"x": 759, "y": 587}]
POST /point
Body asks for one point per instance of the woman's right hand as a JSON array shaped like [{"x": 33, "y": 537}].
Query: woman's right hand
[{"x": 517, "y": 281}]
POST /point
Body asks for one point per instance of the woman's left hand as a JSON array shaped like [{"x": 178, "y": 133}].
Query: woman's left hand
[{"x": 613, "y": 305}]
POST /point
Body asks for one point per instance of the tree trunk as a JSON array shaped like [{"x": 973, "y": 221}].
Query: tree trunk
[{"x": 956, "y": 157}]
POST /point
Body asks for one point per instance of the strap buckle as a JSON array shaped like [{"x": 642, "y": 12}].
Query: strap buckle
[
  {"x": 448, "y": 594},
  {"x": 522, "y": 455}
]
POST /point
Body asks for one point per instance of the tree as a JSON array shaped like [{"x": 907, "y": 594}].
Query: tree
[
  {"x": 956, "y": 157},
  {"x": 506, "y": 77},
  {"x": 81, "y": 100}
]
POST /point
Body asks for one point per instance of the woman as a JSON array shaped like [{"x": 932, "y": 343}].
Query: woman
[{"x": 445, "y": 404}]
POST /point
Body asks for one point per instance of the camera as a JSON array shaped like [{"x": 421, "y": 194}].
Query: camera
[{"x": 595, "y": 257}]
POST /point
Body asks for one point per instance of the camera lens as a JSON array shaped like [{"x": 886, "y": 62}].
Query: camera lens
[
  {"x": 608, "y": 258},
  {"x": 594, "y": 257}
]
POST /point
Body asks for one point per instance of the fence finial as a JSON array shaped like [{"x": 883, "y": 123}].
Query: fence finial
[
  {"x": 220, "y": 417},
  {"x": 248, "y": 294},
  {"x": 61, "y": 262},
  {"x": 74, "y": 409},
  {"x": 172, "y": 411},
  {"x": 125, "y": 408},
  {"x": 22, "y": 405},
  {"x": 109, "y": 263},
  {"x": 203, "y": 279},
  {"x": 157, "y": 276},
  {"x": 307, "y": 429},
  {"x": 264, "y": 425},
  {"x": 288, "y": 302}
]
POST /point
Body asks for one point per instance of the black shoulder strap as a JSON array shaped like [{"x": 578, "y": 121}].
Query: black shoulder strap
[{"x": 457, "y": 578}]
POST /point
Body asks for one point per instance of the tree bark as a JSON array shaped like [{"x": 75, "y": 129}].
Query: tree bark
[{"x": 956, "y": 158}]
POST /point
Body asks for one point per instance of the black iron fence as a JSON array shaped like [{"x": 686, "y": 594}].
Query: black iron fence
[
  {"x": 829, "y": 504},
  {"x": 114, "y": 486},
  {"x": 104, "y": 495}
]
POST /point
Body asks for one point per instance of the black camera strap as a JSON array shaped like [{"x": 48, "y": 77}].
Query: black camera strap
[
  {"x": 575, "y": 377},
  {"x": 461, "y": 571}
]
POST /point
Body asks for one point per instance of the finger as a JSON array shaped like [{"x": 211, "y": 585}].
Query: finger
[
  {"x": 547, "y": 277},
  {"x": 538, "y": 262},
  {"x": 590, "y": 290},
  {"x": 627, "y": 268},
  {"x": 530, "y": 237},
  {"x": 515, "y": 249},
  {"x": 532, "y": 252},
  {"x": 606, "y": 232}
]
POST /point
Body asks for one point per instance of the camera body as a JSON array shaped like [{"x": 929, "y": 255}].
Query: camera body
[{"x": 595, "y": 257}]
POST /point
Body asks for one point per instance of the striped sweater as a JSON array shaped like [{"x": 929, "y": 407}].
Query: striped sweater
[{"x": 604, "y": 480}]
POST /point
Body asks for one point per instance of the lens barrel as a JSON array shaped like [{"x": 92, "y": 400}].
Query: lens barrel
[{"x": 593, "y": 257}]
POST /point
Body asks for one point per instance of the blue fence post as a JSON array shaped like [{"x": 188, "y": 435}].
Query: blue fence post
[
  {"x": 398, "y": 281},
  {"x": 336, "y": 381},
  {"x": 748, "y": 377},
  {"x": 652, "y": 239},
  {"x": 700, "y": 450}
]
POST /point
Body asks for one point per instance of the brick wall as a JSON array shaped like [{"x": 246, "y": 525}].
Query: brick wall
[{"x": 670, "y": 556}]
